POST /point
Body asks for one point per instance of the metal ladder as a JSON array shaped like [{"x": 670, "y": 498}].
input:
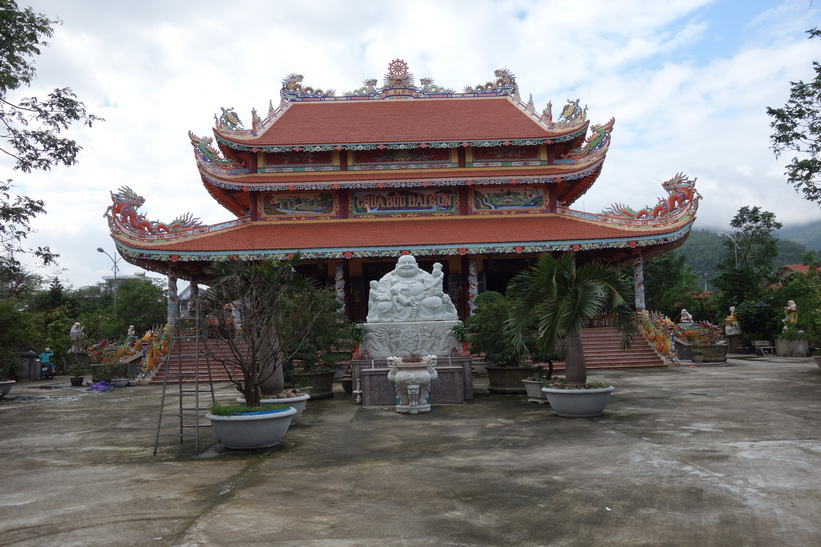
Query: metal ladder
[{"x": 189, "y": 413}]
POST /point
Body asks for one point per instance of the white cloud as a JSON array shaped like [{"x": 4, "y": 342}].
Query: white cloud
[{"x": 155, "y": 70}]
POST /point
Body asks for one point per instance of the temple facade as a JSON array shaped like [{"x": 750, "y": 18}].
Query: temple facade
[{"x": 476, "y": 180}]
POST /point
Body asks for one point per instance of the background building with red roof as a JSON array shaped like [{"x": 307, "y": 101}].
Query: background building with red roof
[{"x": 477, "y": 180}]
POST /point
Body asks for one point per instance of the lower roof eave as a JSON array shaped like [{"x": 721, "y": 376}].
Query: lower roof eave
[{"x": 159, "y": 259}]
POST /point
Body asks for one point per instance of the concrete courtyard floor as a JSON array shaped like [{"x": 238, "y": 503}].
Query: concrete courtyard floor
[{"x": 707, "y": 455}]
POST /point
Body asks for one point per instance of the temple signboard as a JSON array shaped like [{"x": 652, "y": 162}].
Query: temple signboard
[{"x": 401, "y": 202}]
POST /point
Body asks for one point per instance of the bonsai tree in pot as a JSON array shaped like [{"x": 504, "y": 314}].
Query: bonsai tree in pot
[
  {"x": 563, "y": 299},
  {"x": 487, "y": 327},
  {"x": 318, "y": 353},
  {"x": 275, "y": 311}
]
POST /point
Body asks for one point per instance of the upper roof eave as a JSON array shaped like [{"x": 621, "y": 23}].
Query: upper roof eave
[{"x": 420, "y": 122}]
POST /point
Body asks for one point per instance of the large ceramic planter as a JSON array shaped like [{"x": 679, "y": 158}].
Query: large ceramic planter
[
  {"x": 249, "y": 431},
  {"x": 579, "y": 403},
  {"x": 508, "y": 380},
  {"x": 76, "y": 381},
  {"x": 297, "y": 403},
  {"x": 321, "y": 383},
  {"x": 791, "y": 348},
  {"x": 5, "y": 387},
  {"x": 534, "y": 391},
  {"x": 715, "y": 353}
]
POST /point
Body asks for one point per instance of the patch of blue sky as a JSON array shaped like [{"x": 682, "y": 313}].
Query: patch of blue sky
[{"x": 725, "y": 28}]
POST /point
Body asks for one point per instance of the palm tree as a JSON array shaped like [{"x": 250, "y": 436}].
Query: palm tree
[{"x": 564, "y": 299}]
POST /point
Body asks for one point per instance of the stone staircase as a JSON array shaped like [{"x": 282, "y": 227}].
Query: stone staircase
[
  {"x": 602, "y": 350},
  {"x": 185, "y": 350}
]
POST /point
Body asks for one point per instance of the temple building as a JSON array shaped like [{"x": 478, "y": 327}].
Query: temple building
[{"x": 477, "y": 180}]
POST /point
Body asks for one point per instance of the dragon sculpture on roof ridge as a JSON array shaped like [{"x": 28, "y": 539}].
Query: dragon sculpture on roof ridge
[
  {"x": 203, "y": 150},
  {"x": 123, "y": 210},
  {"x": 598, "y": 138},
  {"x": 504, "y": 78},
  {"x": 681, "y": 193}
]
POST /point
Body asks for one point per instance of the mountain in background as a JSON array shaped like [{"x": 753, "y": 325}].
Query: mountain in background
[
  {"x": 807, "y": 234},
  {"x": 704, "y": 249}
]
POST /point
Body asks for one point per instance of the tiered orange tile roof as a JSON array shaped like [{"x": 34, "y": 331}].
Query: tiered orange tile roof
[
  {"x": 399, "y": 121},
  {"x": 448, "y": 234}
]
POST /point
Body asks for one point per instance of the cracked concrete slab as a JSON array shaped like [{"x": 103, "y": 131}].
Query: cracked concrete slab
[{"x": 683, "y": 456}]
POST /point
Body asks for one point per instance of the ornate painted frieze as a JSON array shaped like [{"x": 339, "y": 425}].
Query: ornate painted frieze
[
  {"x": 409, "y": 158},
  {"x": 518, "y": 199},
  {"x": 302, "y": 161},
  {"x": 513, "y": 156},
  {"x": 284, "y": 206}
]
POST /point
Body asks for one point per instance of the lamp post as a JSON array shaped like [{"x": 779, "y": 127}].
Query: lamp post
[
  {"x": 114, "y": 268},
  {"x": 735, "y": 246}
]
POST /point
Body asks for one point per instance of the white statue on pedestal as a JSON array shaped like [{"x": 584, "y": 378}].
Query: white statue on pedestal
[{"x": 410, "y": 294}]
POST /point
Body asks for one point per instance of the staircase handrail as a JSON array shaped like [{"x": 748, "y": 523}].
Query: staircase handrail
[{"x": 658, "y": 329}]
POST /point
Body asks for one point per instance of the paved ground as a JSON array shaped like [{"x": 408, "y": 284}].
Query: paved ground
[{"x": 725, "y": 455}]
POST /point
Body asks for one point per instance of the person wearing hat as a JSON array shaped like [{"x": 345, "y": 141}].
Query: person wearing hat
[{"x": 45, "y": 359}]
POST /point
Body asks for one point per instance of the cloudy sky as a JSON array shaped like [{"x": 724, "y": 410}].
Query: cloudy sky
[{"x": 688, "y": 82}]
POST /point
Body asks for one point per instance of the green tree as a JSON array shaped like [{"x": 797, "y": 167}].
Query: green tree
[
  {"x": 797, "y": 128},
  {"x": 31, "y": 126},
  {"x": 564, "y": 299},
  {"x": 277, "y": 308},
  {"x": 744, "y": 285},
  {"x": 18, "y": 331},
  {"x": 30, "y": 134},
  {"x": 670, "y": 285},
  {"x": 485, "y": 326},
  {"x": 140, "y": 302}
]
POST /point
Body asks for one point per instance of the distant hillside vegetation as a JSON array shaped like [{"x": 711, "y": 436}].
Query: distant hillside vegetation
[{"x": 807, "y": 234}]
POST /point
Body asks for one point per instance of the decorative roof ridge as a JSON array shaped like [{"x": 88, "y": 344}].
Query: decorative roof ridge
[
  {"x": 682, "y": 200},
  {"x": 398, "y": 84}
]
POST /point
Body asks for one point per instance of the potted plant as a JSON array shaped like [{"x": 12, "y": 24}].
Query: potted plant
[
  {"x": 701, "y": 342},
  {"x": 357, "y": 333},
  {"x": 460, "y": 332},
  {"x": 534, "y": 383},
  {"x": 697, "y": 351},
  {"x": 292, "y": 397},
  {"x": 76, "y": 371},
  {"x": 276, "y": 311},
  {"x": 241, "y": 428},
  {"x": 563, "y": 298},
  {"x": 487, "y": 325},
  {"x": 316, "y": 358}
]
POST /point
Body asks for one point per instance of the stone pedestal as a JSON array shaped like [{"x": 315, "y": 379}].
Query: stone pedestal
[
  {"x": 453, "y": 386},
  {"x": 404, "y": 339}
]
